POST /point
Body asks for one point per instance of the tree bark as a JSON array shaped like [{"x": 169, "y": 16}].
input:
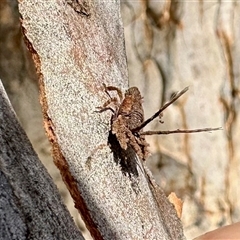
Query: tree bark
[
  {"x": 77, "y": 46},
  {"x": 171, "y": 45},
  {"x": 19, "y": 78},
  {"x": 31, "y": 207}
]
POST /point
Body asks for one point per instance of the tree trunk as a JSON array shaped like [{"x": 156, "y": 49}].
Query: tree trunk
[
  {"x": 76, "y": 47},
  {"x": 18, "y": 74},
  {"x": 171, "y": 45},
  {"x": 31, "y": 207}
]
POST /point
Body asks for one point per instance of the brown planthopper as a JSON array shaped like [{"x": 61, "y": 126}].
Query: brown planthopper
[{"x": 127, "y": 121}]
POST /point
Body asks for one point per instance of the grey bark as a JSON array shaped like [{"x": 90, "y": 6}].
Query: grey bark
[
  {"x": 30, "y": 204},
  {"x": 77, "y": 47},
  {"x": 18, "y": 75}
]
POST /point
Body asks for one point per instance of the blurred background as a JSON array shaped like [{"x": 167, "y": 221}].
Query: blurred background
[{"x": 170, "y": 45}]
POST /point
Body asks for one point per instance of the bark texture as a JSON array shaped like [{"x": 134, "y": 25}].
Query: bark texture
[
  {"x": 77, "y": 46},
  {"x": 18, "y": 74},
  {"x": 30, "y": 204},
  {"x": 171, "y": 45}
]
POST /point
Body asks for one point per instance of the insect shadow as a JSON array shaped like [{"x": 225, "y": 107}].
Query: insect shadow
[{"x": 126, "y": 158}]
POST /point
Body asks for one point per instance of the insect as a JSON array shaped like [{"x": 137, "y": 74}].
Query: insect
[{"x": 127, "y": 121}]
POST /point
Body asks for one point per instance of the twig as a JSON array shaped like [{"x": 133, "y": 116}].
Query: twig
[
  {"x": 180, "y": 131},
  {"x": 178, "y": 95}
]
